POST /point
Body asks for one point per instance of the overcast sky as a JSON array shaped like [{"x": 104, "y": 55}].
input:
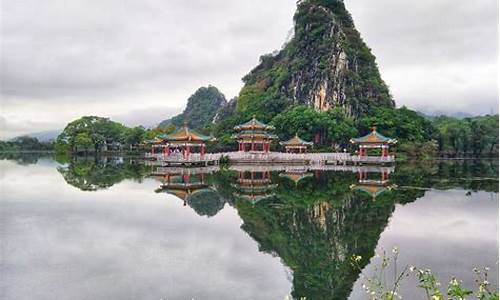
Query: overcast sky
[{"x": 138, "y": 61}]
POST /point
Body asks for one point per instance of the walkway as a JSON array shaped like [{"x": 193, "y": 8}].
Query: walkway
[{"x": 268, "y": 158}]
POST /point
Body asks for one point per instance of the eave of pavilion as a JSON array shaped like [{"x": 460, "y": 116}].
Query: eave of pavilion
[
  {"x": 254, "y": 124},
  {"x": 373, "y": 139},
  {"x": 185, "y": 136},
  {"x": 254, "y": 136},
  {"x": 373, "y": 190},
  {"x": 296, "y": 142},
  {"x": 296, "y": 177},
  {"x": 185, "y": 194}
]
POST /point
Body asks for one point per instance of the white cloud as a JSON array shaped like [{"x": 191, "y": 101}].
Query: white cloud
[{"x": 61, "y": 60}]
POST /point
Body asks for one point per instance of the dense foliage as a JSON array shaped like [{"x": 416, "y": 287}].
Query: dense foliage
[
  {"x": 330, "y": 128},
  {"x": 201, "y": 108},
  {"x": 469, "y": 136},
  {"x": 97, "y": 134}
]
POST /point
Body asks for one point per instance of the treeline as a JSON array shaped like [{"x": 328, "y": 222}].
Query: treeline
[
  {"x": 92, "y": 134},
  {"x": 466, "y": 137},
  {"x": 25, "y": 143},
  {"x": 417, "y": 136}
]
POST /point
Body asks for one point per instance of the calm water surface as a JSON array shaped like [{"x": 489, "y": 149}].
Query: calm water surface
[{"x": 117, "y": 229}]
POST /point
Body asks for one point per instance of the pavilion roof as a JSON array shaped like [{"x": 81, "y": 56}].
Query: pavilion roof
[
  {"x": 373, "y": 137},
  {"x": 296, "y": 141},
  {"x": 185, "y": 134},
  {"x": 254, "y": 124}
]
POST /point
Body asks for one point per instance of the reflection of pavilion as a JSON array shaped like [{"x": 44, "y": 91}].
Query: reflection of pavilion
[
  {"x": 373, "y": 187},
  {"x": 296, "y": 175},
  {"x": 189, "y": 185},
  {"x": 254, "y": 186},
  {"x": 182, "y": 182}
]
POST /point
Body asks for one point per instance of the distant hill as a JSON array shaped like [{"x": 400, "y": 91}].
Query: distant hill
[
  {"x": 458, "y": 115},
  {"x": 45, "y": 136},
  {"x": 201, "y": 109}
]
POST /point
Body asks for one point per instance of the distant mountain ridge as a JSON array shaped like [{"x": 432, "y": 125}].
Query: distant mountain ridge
[
  {"x": 201, "y": 109},
  {"x": 44, "y": 136}
]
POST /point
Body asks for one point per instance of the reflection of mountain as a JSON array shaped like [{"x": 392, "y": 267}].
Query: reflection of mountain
[
  {"x": 92, "y": 174},
  {"x": 314, "y": 221},
  {"x": 315, "y": 226}
]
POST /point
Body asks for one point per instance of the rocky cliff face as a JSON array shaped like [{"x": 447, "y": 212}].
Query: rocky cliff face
[
  {"x": 326, "y": 64},
  {"x": 226, "y": 110}
]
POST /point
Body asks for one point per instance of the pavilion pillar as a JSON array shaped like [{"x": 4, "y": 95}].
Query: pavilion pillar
[
  {"x": 153, "y": 149},
  {"x": 253, "y": 145},
  {"x": 188, "y": 151},
  {"x": 202, "y": 151}
]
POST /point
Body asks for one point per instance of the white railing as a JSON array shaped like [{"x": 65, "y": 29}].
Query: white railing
[
  {"x": 374, "y": 159},
  {"x": 312, "y": 158}
]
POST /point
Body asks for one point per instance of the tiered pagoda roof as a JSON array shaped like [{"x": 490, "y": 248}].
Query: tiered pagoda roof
[
  {"x": 296, "y": 141},
  {"x": 185, "y": 134},
  {"x": 254, "y": 129},
  {"x": 254, "y": 124},
  {"x": 373, "y": 138}
]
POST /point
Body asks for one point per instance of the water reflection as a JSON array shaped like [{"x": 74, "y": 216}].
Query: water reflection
[
  {"x": 313, "y": 220},
  {"x": 97, "y": 173}
]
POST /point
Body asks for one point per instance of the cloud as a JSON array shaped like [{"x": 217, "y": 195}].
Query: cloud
[
  {"x": 61, "y": 60},
  {"x": 435, "y": 55}
]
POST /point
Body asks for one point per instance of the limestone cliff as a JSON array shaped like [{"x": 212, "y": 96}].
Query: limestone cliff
[{"x": 326, "y": 64}]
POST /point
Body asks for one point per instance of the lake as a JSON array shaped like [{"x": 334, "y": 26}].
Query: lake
[{"x": 114, "y": 228}]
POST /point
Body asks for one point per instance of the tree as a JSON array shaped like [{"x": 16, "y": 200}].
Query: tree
[
  {"x": 83, "y": 140},
  {"x": 134, "y": 136},
  {"x": 100, "y": 130}
]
